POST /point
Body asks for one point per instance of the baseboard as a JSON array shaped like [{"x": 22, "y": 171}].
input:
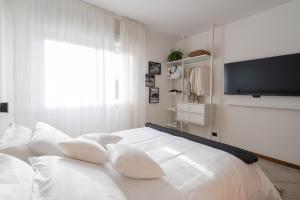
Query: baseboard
[{"x": 281, "y": 162}]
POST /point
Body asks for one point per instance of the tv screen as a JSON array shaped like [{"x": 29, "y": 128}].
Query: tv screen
[{"x": 276, "y": 76}]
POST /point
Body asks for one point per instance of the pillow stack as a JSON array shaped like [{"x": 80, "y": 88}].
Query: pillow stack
[
  {"x": 97, "y": 148},
  {"x": 89, "y": 147},
  {"x": 45, "y": 139}
]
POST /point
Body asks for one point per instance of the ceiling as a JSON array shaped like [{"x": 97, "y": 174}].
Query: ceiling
[{"x": 185, "y": 17}]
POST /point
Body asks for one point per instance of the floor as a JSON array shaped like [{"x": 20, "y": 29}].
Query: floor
[{"x": 288, "y": 179}]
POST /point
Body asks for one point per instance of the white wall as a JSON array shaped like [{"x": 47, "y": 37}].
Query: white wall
[
  {"x": 158, "y": 48},
  {"x": 272, "y": 132}
]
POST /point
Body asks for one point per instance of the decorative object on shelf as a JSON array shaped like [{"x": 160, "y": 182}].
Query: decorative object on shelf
[
  {"x": 153, "y": 95},
  {"x": 172, "y": 69},
  {"x": 154, "y": 68},
  {"x": 150, "y": 80},
  {"x": 175, "y": 55},
  {"x": 199, "y": 52},
  {"x": 175, "y": 72}
]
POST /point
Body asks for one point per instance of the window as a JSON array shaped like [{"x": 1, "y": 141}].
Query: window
[{"x": 77, "y": 75}]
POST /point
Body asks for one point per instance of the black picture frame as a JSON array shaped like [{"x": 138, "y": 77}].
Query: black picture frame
[
  {"x": 154, "y": 68},
  {"x": 150, "y": 80},
  {"x": 153, "y": 95}
]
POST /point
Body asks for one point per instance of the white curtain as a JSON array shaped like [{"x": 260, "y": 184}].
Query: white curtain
[
  {"x": 5, "y": 55},
  {"x": 72, "y": 70}
]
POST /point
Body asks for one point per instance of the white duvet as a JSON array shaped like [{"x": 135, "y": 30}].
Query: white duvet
[
  {"x": 193, "y": 172},
  {"x": 16, "y": 178},
  {"x": 58, "y": 178}
]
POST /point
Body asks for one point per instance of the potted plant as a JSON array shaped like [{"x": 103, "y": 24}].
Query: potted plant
[{"x": 175, "y": 55}]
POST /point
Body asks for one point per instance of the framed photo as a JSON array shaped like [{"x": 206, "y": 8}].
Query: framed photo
[
  {"x": 153, "y": 95},
  {"x": 150, "y": 80},
  {"x": 154, "y": 68}
]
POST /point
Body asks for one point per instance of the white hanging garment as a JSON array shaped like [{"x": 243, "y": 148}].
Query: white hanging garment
[
  {"x": 192, "y": 80},
  {"x": 195, "y": 80},
  {"x": 200, "y": 82}
]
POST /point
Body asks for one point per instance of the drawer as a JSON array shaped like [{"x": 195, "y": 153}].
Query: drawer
[
  {"x": 192, "y": 108},
  {"x": 191, "y": 117}
]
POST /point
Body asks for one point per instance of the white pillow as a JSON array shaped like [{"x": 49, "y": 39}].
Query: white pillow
[
  {"x": 20, "y": 151},
  {"x": 84, "y": 149},
  {"x": 45, "y": 138},
  {"x": 102, "y": 138},
  {"x": 15, "y": 134},
  {"x": 14, "y": 142},
  {"x": 133, "y": 163}
]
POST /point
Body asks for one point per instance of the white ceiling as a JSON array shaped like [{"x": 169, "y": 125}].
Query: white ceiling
[{"x": 185, "y": 17}]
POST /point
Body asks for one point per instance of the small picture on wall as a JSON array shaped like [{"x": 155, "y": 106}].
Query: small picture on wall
[
  {"x": 154, "y": 68},
  {"x": 150, "y": 80},
  {"x": 153, "y": 95}
]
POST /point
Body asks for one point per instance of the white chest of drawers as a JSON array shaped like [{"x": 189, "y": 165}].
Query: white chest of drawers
[{"x": 193, "y": 113}]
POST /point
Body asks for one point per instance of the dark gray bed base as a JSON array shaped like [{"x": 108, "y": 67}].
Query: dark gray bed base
[{"x": 242, "y": 154}]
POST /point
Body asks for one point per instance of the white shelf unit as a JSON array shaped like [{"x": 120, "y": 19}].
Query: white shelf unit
[
  {"x": 208, "y": 111},
  {"x": 172, "y": 106},
  {"x": 190, "y": 60}
]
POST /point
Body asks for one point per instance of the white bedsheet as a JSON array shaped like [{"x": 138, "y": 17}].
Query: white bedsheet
[{"x": 193, "y": 171}]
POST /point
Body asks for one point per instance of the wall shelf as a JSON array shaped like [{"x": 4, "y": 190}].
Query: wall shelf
[
  {"x": 190, "y": 60},
  {"x": 173, "y": 93},
  {"x": 172, "y": 109},
  {"x": 169, "y": 78},
  {"x": 174, "y": 124}
]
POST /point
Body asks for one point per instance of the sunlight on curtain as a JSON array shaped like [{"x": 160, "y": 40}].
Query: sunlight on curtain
[
  {"x": 73, "y": 76},
  {"x": 75, "y": 68}
]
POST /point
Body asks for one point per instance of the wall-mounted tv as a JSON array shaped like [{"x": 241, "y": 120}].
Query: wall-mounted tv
[{"x": 274, "y": 76}]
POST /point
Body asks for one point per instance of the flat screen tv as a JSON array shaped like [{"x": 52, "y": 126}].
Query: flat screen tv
[{"x": 274, "y": 76}]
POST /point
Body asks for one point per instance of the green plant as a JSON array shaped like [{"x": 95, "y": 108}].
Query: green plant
[{"x": 175, "y": 55}]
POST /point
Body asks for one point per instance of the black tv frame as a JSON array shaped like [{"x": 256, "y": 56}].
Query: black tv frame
[{"x": 258, "y": 93}]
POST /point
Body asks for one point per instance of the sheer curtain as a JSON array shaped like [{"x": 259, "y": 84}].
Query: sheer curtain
[
  {"x": 72, "y": 70},
  {"x": 5, "y": 56}
]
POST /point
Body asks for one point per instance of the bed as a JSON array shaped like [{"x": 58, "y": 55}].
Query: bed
[{"x": 193, "y": 171}]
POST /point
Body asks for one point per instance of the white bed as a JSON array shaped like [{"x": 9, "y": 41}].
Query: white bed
[{"x": 193, "y": 172}]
